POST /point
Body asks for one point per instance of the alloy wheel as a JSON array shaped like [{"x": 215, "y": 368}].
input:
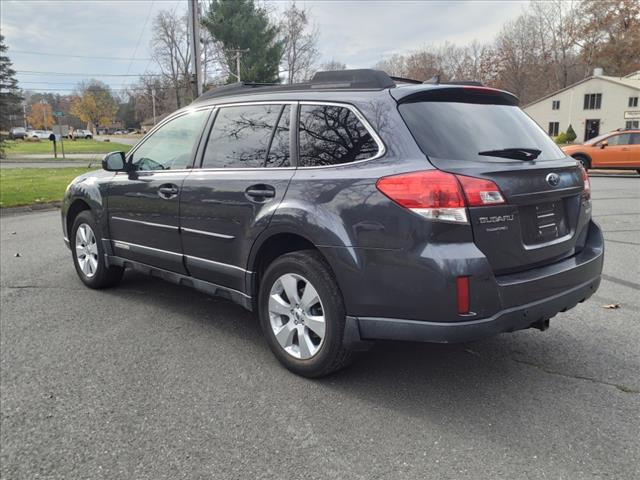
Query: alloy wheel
[
  {"x": 86, "y": 250},
  {"x": 296, "y": 316}
]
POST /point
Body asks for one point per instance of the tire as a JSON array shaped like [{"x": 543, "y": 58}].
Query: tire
[
  {"x": 88, "y": 137},
  {"x": 86, "y": 243},
  {"x": 586, "y": 163},
  {"x": 298, "y": 345}
]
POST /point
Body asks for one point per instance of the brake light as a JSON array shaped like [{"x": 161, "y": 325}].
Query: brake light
[{"x": 439, "y": 195}]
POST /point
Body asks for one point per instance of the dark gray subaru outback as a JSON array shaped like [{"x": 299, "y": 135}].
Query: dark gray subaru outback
[{"x": 352, "y": 208}]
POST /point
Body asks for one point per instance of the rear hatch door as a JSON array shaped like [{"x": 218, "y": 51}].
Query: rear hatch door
[{"x": 482, "y": 133}]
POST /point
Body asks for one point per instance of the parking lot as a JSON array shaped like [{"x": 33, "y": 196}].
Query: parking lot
[{"x": 151, "y": 380}]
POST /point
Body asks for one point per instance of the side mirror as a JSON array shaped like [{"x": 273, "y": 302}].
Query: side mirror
[
  {"x": 604, "y": 144},
  {"x": 114, "y": 162}
]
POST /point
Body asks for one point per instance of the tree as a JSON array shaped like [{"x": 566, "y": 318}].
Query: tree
[
  {"x": 171, "y": 51},
  {"x": 571, "y": 134},
  {"x": 241, "y": 25},
  {"x": 610, "y": 35},
  {"x": 10, "y": 97},
  {"x": 40, "y": 116},
  {"x": 332, "y": 65},
  {"x": 299, "y": 43},
  {"x": 94, "y": 104}
]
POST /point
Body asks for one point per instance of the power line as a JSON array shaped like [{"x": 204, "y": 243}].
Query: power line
[
  {"x": 35, "y": 72},
  {"x": 92, "y": 57},
  {"x": 135, "y": 50}
]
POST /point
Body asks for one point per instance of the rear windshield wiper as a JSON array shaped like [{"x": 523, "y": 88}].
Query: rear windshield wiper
[{"x": 515, "y": 153}]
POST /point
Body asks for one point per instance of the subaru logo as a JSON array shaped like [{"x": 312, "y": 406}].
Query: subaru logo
[{"x": 553, "y": 179}]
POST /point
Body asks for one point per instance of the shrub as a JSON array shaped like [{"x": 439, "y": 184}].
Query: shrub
[
  {"x": 561, "y": 138},
  {"x": 571, "y": 134}
]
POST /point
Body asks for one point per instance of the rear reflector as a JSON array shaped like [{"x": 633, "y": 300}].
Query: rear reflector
[
  {"x": 439, "y": 195},
  {"x": 462, "y": 287}
]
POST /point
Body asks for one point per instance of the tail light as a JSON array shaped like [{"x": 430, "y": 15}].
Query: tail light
[
  {"x": 439, "y": 195},
  {"x": 586, "y": 193}
]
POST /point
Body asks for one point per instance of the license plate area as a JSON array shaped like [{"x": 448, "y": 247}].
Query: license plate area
[{"x": 544, "y": 222}]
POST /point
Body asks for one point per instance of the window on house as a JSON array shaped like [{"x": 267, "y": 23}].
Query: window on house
[
  {"x": 592, "y": 101},
  {"x": 633, "y": 101},
  {"x": 632, "y": 124},
  {"x": 554, "y": 128},
  {"x": 555, "y": 105}
]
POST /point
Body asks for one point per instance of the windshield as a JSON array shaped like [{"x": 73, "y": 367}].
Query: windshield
[
  {"x": 595, "y": 140},
  {"x": 462, "y": 131}
]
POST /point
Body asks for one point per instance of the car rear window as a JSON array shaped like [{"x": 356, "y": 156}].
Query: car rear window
[{"x": 459, "y": 131}]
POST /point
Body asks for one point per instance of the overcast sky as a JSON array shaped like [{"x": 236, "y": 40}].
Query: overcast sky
[{"x": 358, "y": 33}]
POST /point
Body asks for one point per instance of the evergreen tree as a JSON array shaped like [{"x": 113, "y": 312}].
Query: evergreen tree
[
  {"x": 571, "y": 134},
  {"x": 240, "y": 24},
  {"x": 9, "y": 93}
]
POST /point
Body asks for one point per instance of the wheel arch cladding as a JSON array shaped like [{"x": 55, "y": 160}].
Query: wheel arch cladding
[{"x": 77, "y": 206}]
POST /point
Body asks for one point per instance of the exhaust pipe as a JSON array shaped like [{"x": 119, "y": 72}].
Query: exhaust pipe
[{"x": 541, "y": 325}]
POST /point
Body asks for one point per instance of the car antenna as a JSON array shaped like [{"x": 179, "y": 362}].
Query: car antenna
[{"x": 435, "y": 80}]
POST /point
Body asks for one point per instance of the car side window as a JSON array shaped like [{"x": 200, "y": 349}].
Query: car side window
[
  {"x": 623, "y": 139},
  {"x": 242, "y": 135},
  {"x": 170, "y": 147},
  {"x": 635, "y": 139},
  {"x": 332, "y": 135}
]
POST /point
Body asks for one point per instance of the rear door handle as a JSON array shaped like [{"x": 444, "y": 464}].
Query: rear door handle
[
  {"x": 260, "y": 192},
  {"x": 168, "y": 191}
]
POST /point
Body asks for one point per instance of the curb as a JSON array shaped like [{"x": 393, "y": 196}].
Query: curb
[{"x": 35, "y": 208}]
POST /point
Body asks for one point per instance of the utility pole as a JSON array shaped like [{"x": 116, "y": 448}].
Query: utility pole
[
  {"x": 153, "y": 102},
  {"x": 238, "y": 52},
  {"x": 24, "y": 115},
  {"x": 194, "y": 39}
]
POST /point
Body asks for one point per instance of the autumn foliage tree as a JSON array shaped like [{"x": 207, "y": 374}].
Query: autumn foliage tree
[
  {"x": 95, "y": 104},
  {"x": 41, "y": 116}
]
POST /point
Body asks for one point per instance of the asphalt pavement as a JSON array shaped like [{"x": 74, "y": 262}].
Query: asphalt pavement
[{"x": 151, "y": 381}]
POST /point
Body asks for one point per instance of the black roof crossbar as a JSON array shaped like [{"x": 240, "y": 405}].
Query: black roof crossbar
[
  {"x": 357, "y": 79},
  {"x": 365, "y": 79}
]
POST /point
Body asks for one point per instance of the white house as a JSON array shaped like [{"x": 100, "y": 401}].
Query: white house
[{"x": 595, "y": 105}]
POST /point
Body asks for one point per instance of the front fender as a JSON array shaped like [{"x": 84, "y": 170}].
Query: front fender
[{"x": 90, "y": 189}]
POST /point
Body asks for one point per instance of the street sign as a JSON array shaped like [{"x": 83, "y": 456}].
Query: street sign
[{"x": 58, "y": 114}]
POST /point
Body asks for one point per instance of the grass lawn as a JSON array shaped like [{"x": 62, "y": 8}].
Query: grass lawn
[
  {"x": 26, "y": 186},
  {"x": 19, "y": 147}
]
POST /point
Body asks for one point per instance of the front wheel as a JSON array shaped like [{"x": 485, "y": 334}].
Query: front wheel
[
  {"x": 302, "y": 314},
  {"x": 88, "y": 255}
]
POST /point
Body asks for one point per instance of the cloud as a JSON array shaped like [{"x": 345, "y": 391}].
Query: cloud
[{"x": 358, "y": 33}]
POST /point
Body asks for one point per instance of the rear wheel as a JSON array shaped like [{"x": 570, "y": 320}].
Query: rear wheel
[
  {"x": 88, "y": 255},
  {"x": 302, "y": 314},
  {"x": 584, "y": 161}
]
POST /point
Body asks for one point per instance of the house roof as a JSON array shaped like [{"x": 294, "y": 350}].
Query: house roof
[{"x": 632, "y": 80}]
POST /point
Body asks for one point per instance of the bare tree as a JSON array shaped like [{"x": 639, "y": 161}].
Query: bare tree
[
  {"x": 300, "y": 40},
  {"x": 170, "y": 50},
  {"x": 332, "y": 65}
]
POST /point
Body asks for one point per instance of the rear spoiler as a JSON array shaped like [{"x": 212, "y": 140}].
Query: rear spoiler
[{"x": 458, "y": 93}]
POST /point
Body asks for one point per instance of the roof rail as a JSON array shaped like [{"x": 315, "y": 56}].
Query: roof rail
[
  {"x": 406, "y": 80},
  {"x": 232, "y": 88},
  {"x": 340, "y": 79}
]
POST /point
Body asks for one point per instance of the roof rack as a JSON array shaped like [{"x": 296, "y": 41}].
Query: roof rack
[
  {"x": 364, "y": 79},
  {"x": 357, "y": 79}
]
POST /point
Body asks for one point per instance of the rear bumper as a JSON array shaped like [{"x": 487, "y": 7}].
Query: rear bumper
[
  {"x": 528, "y": 299},
  {"x": 533, "y": 314}
]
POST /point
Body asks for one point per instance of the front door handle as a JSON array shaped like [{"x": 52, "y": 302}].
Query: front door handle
[
  {"x": 260, "y": 192},
  {"x": 168, "y": 191}
]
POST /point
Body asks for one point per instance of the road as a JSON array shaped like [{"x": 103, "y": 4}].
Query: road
[{"x": 154, "y": 381}]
